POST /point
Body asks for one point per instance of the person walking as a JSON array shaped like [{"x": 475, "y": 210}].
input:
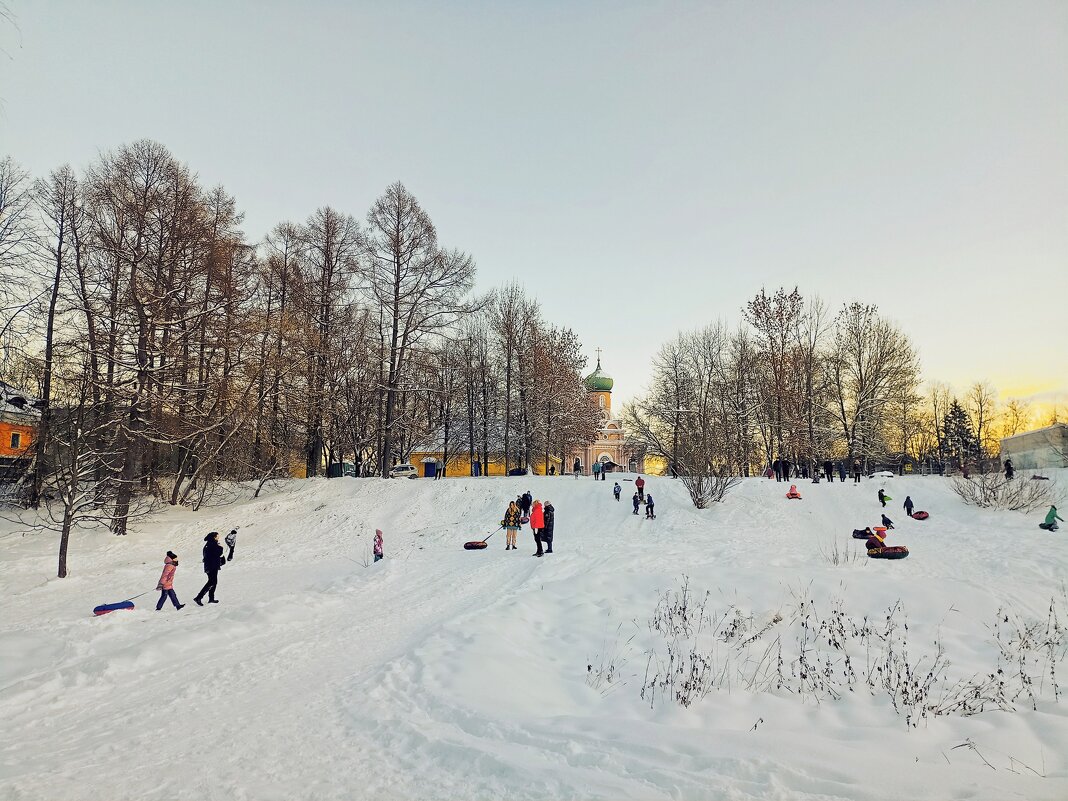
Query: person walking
[
  {"x": 841, "y": 472},
  {"x": 231, "y": 543},
  {"x": 882, "y": 497},
  {"x": 604, "y": 472},
  {"x": 537, "y": 523},
  {"x": 650, "y": 514},
  {"x": 1010, "y": 471},
  {"x": 511, "y": 525},
  {"x": 378, "y": 544},
  {"x": 777, "y": 467},
  {"x": 616, "y": 490},
  {"x": 909, "y": 505},
  {"x": 596, "y": 470},
  {"x": 639, "y": 484},
  {"x": 549, "y": 515},
  {"x": 636, "y": 500},
  {"x": 213, "y": 562},
  {"x": 1051, "y": 520},
  {"x": 856, "y": 471},
  {"x": 828, "y": 471},
  {"x": 577, "y": 468},
  {"x": 166, "y": 582},
  {"x": 786, "y": 469}
]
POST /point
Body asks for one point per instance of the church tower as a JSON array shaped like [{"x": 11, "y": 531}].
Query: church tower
[{"x": 599, "y": 385}]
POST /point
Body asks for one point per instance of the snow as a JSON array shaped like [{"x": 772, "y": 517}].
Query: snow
[{"x": 444, "y": 673}]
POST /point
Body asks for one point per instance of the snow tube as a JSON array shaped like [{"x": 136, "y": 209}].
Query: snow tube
[
  {"x": 920, "y": 515},
  {"x": 477, "y": 545},
  {"x": 860, "y": 534},
  {"x": 889, "y": 552},
  {"x": 524, "y": 520},
  {"x": 103, "y": 609}
]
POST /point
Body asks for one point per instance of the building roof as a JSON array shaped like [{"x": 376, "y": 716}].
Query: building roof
[
  {"x": 17, "y": 404},
  {"x": 599, "y": 380}
]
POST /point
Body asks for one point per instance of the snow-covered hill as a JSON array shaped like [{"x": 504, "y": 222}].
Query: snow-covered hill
[{"x": 443, "y": 673}]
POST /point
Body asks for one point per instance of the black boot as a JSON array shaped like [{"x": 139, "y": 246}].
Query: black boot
[{"x": 197, "y": 601}]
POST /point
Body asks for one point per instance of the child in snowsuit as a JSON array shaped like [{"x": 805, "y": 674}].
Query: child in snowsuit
[
  {"x": 511, "y": 525},
  {"x": 166, "y": 582},
  {"x": 549, "y": 515},
  {"x": 649, "y": 513},
  {"x": 639, "y": 484},
  {"x": 537, "y": 523},
  {"x": 882, "y": 498},
  {"x": 888, "y": 522},
  {"x": 908, "y": 505},
  {"x": 616, "y": 490},
  {"x": 1051, "y": 520},
  {"x": 378, "y": 544},
  {"x": 213, "y": 562},
  {"x": 231, "y": 541},
  {"x": 636, "y": 500}
]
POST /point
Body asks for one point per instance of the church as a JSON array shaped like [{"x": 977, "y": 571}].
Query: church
[{"x": 610, "y": 447}]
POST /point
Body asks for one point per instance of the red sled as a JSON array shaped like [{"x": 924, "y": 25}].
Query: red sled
[
  {"x": 103, "y": 609},
  {"x": 920, "y": 515}
]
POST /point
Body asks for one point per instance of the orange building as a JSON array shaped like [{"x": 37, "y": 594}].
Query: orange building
[
  {"x": 610, "y": 446},
  {"x": 19, "y": 416}
]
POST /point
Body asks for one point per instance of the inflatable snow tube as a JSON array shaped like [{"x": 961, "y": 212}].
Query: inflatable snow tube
[
  {"x": 475, "y": 546},
  {"x": 889, "y": 552},
  {"x": 524, "y": 520},
  {"x": 920, "y": 515},
  {"x": 103, "y": 609}
]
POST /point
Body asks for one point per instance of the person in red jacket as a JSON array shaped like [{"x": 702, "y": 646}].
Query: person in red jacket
[
  {"x": 639, "y": 484},
  {"x": 166, "y": 582},
  {"x": 537, "y": 523}
]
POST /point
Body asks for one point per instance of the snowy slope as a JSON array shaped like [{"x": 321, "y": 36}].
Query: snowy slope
[{"x": 442, "y": 673}]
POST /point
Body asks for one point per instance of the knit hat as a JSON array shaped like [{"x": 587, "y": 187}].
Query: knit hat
[{"x": 172, "y": 554}]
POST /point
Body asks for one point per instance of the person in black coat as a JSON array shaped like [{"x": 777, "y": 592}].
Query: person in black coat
[
  {"x": 908, "y": 505},
  {"x": 528, "y": 499},
  {"x": 841, "y": 472},
  {"x": 888, "y": 522},
  {"x": 828, "y": 470},
  {"x": 636, "y": 501},
  {"x": 882, "y": 498},
  {"x": 786, "y": 469},
  {"x": 549, "y": 512},
  {"x": 213, "y": 561},
  {"x": 777, "y": 467},
  {"x": 1010, "y": 471}
]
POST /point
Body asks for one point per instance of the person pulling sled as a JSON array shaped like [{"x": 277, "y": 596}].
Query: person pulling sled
[{"x": 166, "y": 581}]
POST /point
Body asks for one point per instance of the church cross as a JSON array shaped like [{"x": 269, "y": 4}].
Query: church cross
[{"x": 598, "y": 357}]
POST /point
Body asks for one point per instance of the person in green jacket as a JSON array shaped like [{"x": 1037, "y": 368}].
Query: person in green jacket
[{"x": 1051, "y": 520}]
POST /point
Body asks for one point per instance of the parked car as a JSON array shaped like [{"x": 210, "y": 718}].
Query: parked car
[
  {"x": 404, "y": 471},
  {"x": 881, "y": 474}
]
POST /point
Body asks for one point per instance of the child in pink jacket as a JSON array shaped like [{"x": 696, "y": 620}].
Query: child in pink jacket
[
  {"x": 378, "y": 544},
  {"x": 166, "y": 582}
]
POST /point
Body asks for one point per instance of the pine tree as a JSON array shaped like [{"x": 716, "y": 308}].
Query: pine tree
[{"x": 959, "y": 439}]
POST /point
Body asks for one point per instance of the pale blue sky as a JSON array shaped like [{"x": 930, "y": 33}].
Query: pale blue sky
[{"x": 641, "y": 167}]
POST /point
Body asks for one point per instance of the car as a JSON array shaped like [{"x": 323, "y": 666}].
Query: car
[
  {"x": 404, "y": 471},
  {"x": 881, "y": 474}
]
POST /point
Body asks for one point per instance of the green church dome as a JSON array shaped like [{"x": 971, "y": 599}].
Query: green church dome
[{"x": 599, "y": 380}]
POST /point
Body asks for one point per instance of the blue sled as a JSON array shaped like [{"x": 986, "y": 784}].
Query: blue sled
[{"x": 103, "y": 609}]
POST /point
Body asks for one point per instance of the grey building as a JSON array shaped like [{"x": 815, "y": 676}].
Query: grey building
[{"x": 1046, "y": 447}]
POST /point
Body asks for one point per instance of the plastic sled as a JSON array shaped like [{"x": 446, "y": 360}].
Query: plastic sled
[
  {"x": 920, "y": 515},
  {"x": 103, "y": 609},
  {"x": 889, "y": 552}
]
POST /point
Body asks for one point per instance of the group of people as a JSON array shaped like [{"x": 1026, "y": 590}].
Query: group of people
[
  {"x": 784, "y": 470},
  {"x": 640, "y": 497},
  {"x": 213, "y": 563},
  {"x": 541, "y": 517}
]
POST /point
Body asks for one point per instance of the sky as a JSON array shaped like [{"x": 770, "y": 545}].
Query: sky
[{"x": 642, "y": 168}]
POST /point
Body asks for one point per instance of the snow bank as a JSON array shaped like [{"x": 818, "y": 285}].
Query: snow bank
[{"x": 443, "y": 673}]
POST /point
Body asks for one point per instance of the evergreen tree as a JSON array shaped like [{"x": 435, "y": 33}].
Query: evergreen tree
[{"x": 959, "y": 439}]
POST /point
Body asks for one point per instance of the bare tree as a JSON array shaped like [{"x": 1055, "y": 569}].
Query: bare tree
[
  {"x": 419, "y": 288},
  {"x": 981, "y": 403},
  {"x": 1015, "y": 417}
]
